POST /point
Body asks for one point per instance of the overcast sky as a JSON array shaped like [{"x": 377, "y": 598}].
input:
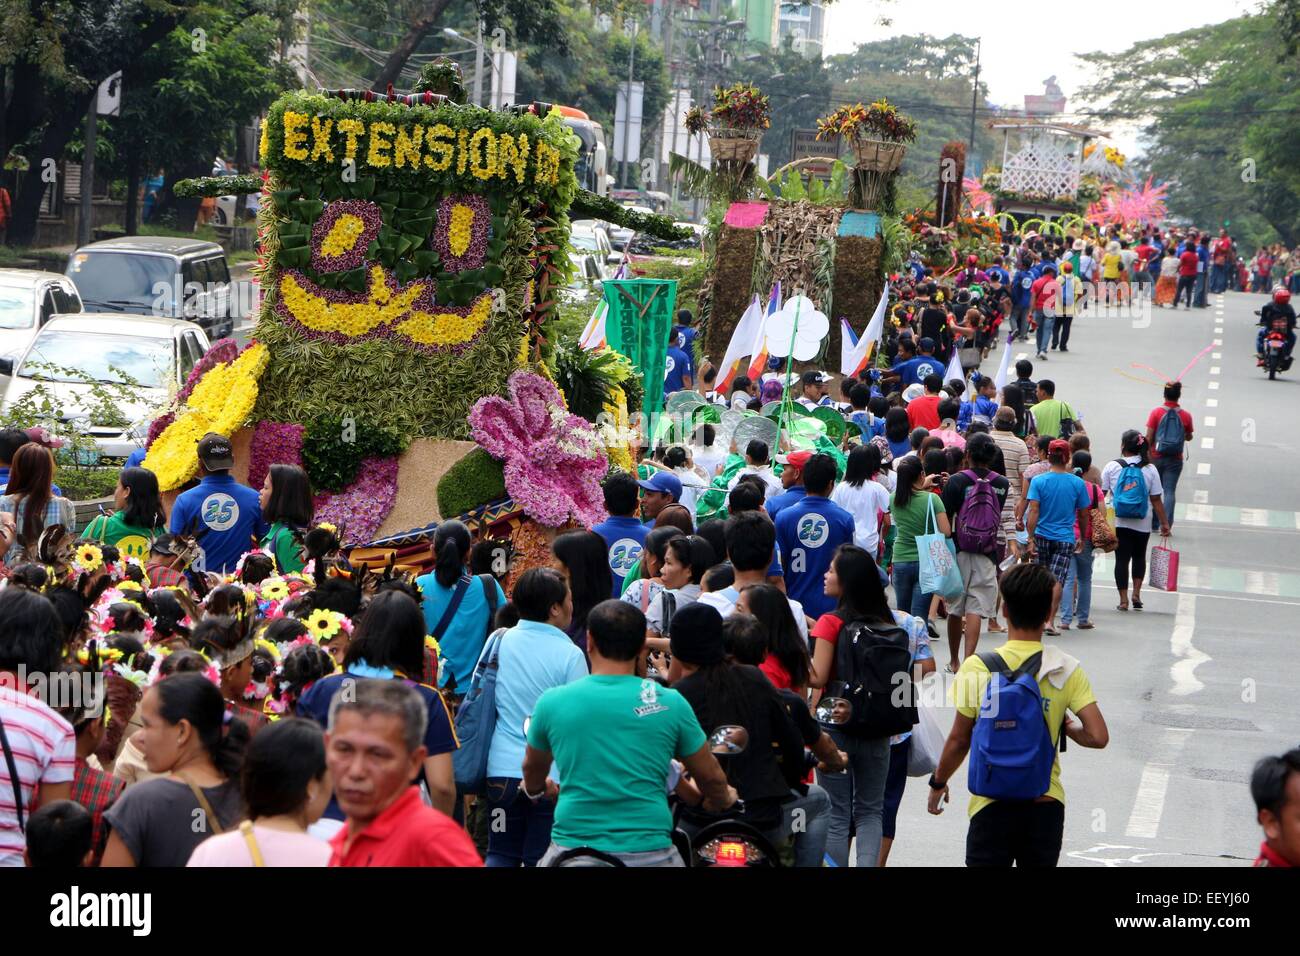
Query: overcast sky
[{"x": 1021, "y": 48}]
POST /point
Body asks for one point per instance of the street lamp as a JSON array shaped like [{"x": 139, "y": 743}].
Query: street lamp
[{"x": 478, "y": 58}]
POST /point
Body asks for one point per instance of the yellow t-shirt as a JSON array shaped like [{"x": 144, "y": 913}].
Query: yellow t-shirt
[
  {"x": 968, "y": 692},
  {"x": 1110, "y": 266}
]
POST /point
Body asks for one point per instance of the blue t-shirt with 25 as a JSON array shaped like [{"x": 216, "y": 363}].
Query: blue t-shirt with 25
[
  {"x": 1059, "y": 495},
  {"x": 624, "y": 540},
  {"x": 808, "y": 532},
  {"x": 228, "y": 516}
]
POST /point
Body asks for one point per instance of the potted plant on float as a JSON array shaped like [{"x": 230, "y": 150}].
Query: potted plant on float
[
  {"x": 736, "y": 123},
  {"x": 878, "y": 134}
]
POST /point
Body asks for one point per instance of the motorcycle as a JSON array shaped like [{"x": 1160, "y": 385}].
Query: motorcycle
[
  {"x": 726, "y": 841},
  {"x": 1276, "y": 358}
]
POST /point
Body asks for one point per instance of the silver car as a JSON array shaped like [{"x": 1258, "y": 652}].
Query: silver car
[
  {"x": 157, "y": 353},
  {"x": 28, "y": 299}
]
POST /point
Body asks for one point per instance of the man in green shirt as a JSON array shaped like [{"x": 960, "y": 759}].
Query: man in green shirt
[
  {"x": 613, "y": 737},
  {"x": 1050, "y": 414}
]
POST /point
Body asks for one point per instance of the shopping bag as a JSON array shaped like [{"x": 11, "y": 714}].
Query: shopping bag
[
  {"x": 928, "y": 737},
  {"x": 1163, "y": 574},
  {"x": 938, "y": 558}
]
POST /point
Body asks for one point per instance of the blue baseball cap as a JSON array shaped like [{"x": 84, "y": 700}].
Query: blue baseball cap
[{"x": 664, "y": 482}]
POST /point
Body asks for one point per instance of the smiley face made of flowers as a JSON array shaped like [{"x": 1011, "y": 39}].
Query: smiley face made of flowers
[{"x": 387, "y": 309}]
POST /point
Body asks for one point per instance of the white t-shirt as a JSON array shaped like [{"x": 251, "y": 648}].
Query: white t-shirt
[
  {"x": 866, "y": 503},
  {"x": 692, "y": 486},
  {"x": 1111, "y": 472},
  {"x": 710, "y": 459},
  {"x": 740, "y": 402},
  {"x": 633, "y": 594},
  {"x": 724, "y": 602},
  {"x": 772, "y": 482}
]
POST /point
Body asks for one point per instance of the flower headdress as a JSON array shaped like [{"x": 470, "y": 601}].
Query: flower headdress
[{"x": 325, "y": 625}]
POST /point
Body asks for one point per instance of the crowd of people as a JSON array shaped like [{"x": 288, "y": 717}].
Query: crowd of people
[{"x": 309, "y": 711}]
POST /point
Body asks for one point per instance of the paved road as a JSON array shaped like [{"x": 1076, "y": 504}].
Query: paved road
[{"x": 1203, "y": 682}]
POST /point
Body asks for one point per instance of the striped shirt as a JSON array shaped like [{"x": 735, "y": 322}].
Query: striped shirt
[
  {"x": 57, "y": 511},
  {"x": 44, "y": 750}
]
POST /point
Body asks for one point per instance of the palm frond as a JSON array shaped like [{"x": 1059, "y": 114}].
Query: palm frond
[{"x": 697, "y": 180}]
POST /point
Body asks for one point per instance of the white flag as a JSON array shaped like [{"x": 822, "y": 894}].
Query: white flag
[
  {"x": 593, "y": 336},
  {"x": 742, "y": 340},
  {"x": 854, "y": 357},
  {"x": 954, "y": 370},
  {"x": 1000, "y": 379}
]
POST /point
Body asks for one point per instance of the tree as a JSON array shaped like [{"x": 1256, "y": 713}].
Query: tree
[
  {"x": 1220, "y": 102},
  {"x": 53, "y": 56}
]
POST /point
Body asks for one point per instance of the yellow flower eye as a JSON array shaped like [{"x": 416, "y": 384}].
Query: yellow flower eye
[{"x": 343, "y": 235}]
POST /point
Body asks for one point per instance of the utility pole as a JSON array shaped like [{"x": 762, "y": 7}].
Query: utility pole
[
  {"x": 974, "y": 97},
  {"x": 627, "y": 104},
  {"x": 478, "y": 67},
  {"x": 84, "y": 225}
]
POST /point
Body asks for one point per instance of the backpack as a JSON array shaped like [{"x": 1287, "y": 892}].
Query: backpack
[
  {"x": 1130, "y": 497},
  {"x": 980, "y": 516},
  {"x": 1011, "y": 751},
  {"x": 1170, "y": 433},
  {"x": 875, "y": 665},
  {"x": 476, "y": 722}
]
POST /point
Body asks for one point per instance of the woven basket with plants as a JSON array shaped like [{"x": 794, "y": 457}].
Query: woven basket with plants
[
  {"x": 878, "y": 134},
  {"x": 736, "y": 123}
]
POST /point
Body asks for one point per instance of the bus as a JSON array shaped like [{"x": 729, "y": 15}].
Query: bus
[{"x": 593, "y": 157}]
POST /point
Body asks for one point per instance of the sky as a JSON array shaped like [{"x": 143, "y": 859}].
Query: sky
[{"x": 1021, "y": 50}]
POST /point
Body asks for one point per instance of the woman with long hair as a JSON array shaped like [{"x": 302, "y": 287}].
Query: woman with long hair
[
  {"x": 187, "y": 737},
  {"x": 1014, "y": 398},
  {"x": 1133, "y": 533},
  {"x": 30, "y": 498},
  {"x": 138, "y": 516},
  {"x": 458, "y": 608},
  {"x": 686, "y": 558},
  {"x": 787, "y": 663},
  {"x": 872, "y": 790},
  {"x": 865, "y": 498},
  {"x": 582, "y": 558},
  {"x": 288, "y": 508},
  {"x": 915, "y": 507},
  {"x": 286, "y": 786},
  {"x": 388, "y": 644},
  {"x": 227, "y": 641},
  {"x": 646, "y": 588}
]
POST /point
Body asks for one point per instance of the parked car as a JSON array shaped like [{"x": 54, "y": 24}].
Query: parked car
[
  {"x": 28, "y": 299},
  {"x": 157, "y": 275},
  {"x": 156, "y": 353},
  {"x": 621, "y": 235},
  {"x": 587, "y": 236}
]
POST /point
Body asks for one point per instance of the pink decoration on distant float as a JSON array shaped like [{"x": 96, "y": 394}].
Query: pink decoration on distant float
[
  {"x": 554, "y": 460},
  {"x": 1136, "y": 206}
]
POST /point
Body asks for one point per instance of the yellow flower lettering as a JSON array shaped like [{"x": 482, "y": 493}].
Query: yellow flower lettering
[
  {"x": 295, "y": 137},
  {"x": 438, "y": 140},
  {"x": 488, "y": 153},
  {"x": 462, "y": 151},
  {"x": 512, "y": 153},
  {"x": 321, "y": 127},
  {"x": 351, "y": 129},
  {"x": 377, "y": 154},
  {"x": 406, "y": 147}
]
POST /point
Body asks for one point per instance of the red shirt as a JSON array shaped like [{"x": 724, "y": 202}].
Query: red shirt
[
  {"x": 1187, "y": 263},
  {"x": 776, "y": 673},
  {"x": 1044, "y": 291},
  {"x": 1270, "y": 857},
  {"x": 407, "y": 833},
  {"x": 1145, "y": 253},
  {"x": 1153, "y": 422},
  {"x": 923, "y": 412}
]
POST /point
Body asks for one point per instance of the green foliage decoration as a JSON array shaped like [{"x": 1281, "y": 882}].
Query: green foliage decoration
[{"x": 475, "y": 480}]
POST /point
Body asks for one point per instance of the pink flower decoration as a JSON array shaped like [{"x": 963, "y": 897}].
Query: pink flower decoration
[
  {"x": 355, "y": 254},
  {"x": 274, "y": 443},
  {"x": 158, "y": 426},
  {"x": 480, "y": 230},
  {"x": 553, "y": 460},
  {"x": 361, "y": 507}
]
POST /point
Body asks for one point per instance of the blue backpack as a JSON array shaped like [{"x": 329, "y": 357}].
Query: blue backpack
[
  {"x": 1011, "y": 753},
  {"x": 1170, "y": 433},
  {"x": 1131, "y": 497},
  {"x": 476, "y": 723}
]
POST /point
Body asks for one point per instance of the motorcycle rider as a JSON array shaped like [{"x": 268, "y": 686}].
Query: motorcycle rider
[
  {"x": 1279, "y": 308},
  {"x": 766, "y": 773}
]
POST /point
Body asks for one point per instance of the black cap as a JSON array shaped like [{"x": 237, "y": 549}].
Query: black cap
[
  {"x": 215, "y": 452},
  {"x": 695, "y": 635}
]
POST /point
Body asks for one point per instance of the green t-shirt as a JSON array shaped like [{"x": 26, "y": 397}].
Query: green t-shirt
[
  {"x": 132, "y": 540},
  {"x": 612, "y": 738},
  {"x": 1049, "y": 414},
  {"x": 910, "y": 520},
  {"x": 280, "y": 541}
]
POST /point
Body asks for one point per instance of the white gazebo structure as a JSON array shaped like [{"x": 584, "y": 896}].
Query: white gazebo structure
[{"x": 1044, "y": 168}]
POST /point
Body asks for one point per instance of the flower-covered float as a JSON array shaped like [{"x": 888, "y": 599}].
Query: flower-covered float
[{"x": 410, "y": 248}]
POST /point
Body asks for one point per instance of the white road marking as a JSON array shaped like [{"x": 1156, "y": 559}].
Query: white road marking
[
  {"x": 1203, "y": 468},
  {"x": 1188, "y": 657},
  {"x": 1217, "y": 355},
  {"x": 1202, "y": 497},
  {"x": 1218, "y": 341},
  {"x": 1199, "y": 512},
  {"x": 1253, "y": 517},
  {"x": 1214, "y": 385},
  {"x": 1207, "y": 443},
  {"x": 1210, "y": 421},
  {"x": 1022, "y": 355},
  {"x": 1214, "y": 370},
  {"x": 1211, "y": 403},
  {"x": 1149, "y": 804}
]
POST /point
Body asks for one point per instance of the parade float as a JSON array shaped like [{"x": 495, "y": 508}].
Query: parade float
[{"x": 411, "y": 248}]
